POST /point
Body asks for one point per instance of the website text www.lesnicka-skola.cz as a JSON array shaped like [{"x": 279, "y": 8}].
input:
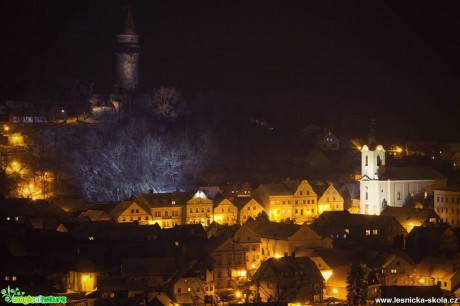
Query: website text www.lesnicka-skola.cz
[{"x": 417, "y": 300}]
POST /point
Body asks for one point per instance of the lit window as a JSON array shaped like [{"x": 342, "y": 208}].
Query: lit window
[
  {"x": 368, "y": 232},
  {"x": 394, "y": 271},
  {"x": 374, "y": 232},
  {"x": 7, "y": 278},
  {"x": 189, "y": 289},
  {"x": 13, "y": 278},
  {"x": 347, "y": 230}
]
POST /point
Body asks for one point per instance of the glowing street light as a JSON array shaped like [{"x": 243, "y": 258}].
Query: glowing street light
[{"x": 6, "y": 128}]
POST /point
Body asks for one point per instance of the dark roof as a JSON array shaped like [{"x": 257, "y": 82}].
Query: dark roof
[
  {"x": 429, "y": 234},
  {"x": 319, "y": 189},
  {"x": 412, "y": 215},
  {"x": 455, "y": 188},
  {"x": 149, "y": 266},
  {"x": 383, "y": 258},
  {"x": 117, "y": 210},
  {"x": 335, "y": 257},
  {"x": 115, "y": 283},
  {"x": 93, "y": 215},
  {"x": 277, "y": 189},
  {"x": 85, "y": 266},
  {"x": 290, "y": 265},
  {"x": 162, "y": 199},
  {"x": 241, "y": 201},
  {"x": 411, "y": 173},
  {"x": 69, "y": 205},
  {"x": 345, "y": 218},
  {"x": 272, "y": 230}
]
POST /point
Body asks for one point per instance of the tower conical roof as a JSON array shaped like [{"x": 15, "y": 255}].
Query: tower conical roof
[{"x": 128, "y": 27}]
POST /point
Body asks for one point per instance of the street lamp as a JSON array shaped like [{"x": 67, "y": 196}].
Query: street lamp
[{"x": 64, "y": 114}]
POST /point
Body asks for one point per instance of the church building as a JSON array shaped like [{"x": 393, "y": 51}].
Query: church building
[{"x": 382, "y": 186}]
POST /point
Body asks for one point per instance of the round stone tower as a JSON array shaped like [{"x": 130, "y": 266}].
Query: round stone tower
[{"x": 127, "y": 55}]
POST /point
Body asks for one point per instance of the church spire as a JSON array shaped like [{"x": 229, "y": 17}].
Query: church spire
[{"x": 372, "y": 141}]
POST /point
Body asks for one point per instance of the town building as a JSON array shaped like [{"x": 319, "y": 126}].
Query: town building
[
  {"x": 447, "y": 204},
  {"x": 289, "y": 280},
  {"x": 166, "y": 209},
  {"x": 382, "y": 186},
  {"x": 226, "y": 212},
  {"x": 409, "y": 217},
  {"x": 199, "y": 209},
  {"x": 248, "y": 207},
  {"x": 348, "y": 230},
  {"x": 297, "y": 200}
]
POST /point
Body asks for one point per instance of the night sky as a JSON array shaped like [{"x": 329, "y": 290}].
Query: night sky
[{"x": 300, "y": 61}]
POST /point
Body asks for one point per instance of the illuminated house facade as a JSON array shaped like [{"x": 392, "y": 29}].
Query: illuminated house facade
[
  {"x": 391, "y": 185},
  {"x": 247, "y": 208},
  {"x": 297, "y": 200},
  {"x": 199, "y": 209},
  {"x": 129, "y": 211},
  {"x": 166, "y": 209},
  {"x": 229, "y": 264},
  {"x": 290, "y": 280},
  {"x": 265, "y": 240},
  {"x": 226, "y": 213},
  {"x": 447, "y": 204}
]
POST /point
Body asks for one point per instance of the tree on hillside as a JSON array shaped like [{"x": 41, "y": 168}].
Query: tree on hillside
[
  {"x": 167, "y": 102},
  {"x": 262, "y": 216},
  {"x": 356, "y": 285},
  {"x": 409, "y": 201},
  {"x": 384, "y": 204}
]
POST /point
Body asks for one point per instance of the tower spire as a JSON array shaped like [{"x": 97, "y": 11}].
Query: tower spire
[
  {"x": 127, "y": 54},
  {"x": 128, "y": 26},
  {"x": 372, "y": 141}
]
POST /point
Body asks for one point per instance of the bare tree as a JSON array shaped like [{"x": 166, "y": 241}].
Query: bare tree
[{"x": 165, "y": 102}]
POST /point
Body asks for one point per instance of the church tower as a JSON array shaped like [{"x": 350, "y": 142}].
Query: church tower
[
  {"x": 127, "y": 55},
  {"x": 372, "y": 187}
]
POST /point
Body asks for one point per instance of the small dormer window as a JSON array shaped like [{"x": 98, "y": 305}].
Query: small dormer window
[{"x": 173, "y": 202}]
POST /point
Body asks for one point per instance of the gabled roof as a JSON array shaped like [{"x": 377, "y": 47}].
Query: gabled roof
[
  {"x": 453, "y": 188},
  {"x": 319, "y": 189},
  {"x": 429, "y": 234},
  {"x": 346, "y": 219},
  {"x": 162, "y": 199},
  {"x": 93, "y": 215},
  {"x": 119, "y": 209},
  {"x": 277, "y": 189},
  {"x": 384, "y": 258},
  {"x": 406, "y": 215},
  {"x": 69, "y": 205},
  {"x": 436, "y": 267},
  {"x": 272, "y": 230},
  {"x": 290, "y": 266},
  {"x": 240, "y": 202},
  {"x": 165, "y": 266},
  {"x": 411, "y": 173},
  {"x": 334, "y": 257}
]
